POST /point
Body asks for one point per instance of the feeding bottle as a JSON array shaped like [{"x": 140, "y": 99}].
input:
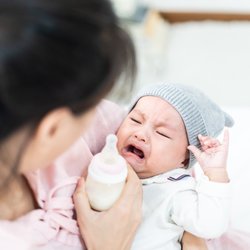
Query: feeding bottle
[{"x": 107, "y": 173}]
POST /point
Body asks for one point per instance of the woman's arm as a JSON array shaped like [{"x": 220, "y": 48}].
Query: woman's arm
[
  {"x": 191, "y": 242},
  {"x": 115, "y": 228}
]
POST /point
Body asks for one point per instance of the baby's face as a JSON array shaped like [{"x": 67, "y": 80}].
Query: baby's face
[{"x": 152, "y": 138}]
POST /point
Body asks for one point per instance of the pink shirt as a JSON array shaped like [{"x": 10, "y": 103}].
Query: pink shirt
[{"x": 54, "y": 226}]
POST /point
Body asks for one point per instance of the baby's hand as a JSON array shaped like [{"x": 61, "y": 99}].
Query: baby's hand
[{"x": 213, "y": 156}]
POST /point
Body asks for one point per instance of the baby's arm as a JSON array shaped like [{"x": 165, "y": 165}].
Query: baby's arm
[
  {"x": 213, "y": 157},
  {"x": 206, "y": 210},
  {"x": 203, "y": 209}
]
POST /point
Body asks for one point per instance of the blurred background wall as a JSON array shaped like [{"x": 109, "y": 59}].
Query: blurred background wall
[{"x": 203, "y": 43}]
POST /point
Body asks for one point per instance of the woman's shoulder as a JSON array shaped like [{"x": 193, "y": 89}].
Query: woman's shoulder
[
  {"x": 108, "y": 118},
  {"x": 110, "y": 113}
]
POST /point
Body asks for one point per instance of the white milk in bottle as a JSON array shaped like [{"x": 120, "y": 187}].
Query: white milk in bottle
[{"x": 107, "y": 174}]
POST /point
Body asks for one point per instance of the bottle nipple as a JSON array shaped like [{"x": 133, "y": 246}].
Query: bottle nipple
[
  {"x": 110, "y": 152},
  {"x": 109, "y": 165},
  {"x": 107, "y": 174}
]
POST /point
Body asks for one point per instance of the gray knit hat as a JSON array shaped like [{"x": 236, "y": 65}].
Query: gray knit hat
[{"x": 200, "y": 114}]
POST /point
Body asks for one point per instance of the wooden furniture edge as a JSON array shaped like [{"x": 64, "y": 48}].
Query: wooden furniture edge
[{"x": 174, "y": 17}]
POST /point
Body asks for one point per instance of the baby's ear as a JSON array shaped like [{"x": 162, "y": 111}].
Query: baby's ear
[{"x": 185, "y": 162}]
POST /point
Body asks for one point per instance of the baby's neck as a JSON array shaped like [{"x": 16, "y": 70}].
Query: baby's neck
[{"x": 16, "y": 199}]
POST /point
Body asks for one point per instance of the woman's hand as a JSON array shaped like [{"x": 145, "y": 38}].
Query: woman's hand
[
  {"x": 115, "y": 228},
  {"x": 191, "y": 242}
]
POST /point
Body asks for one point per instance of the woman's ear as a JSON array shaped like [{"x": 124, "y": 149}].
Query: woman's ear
[
  {"x": 52, "y": 124},
  {"x": 57, "y": 131},
  {"x": 53, "y": 135}
]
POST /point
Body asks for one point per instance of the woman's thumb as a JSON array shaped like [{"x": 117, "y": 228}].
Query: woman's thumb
[{"x": 80, "y": 198}]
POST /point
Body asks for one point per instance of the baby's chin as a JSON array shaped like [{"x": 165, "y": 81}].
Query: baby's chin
[
  {"x": 142, "y": 176},
  {"x": 139, "y": 171},
  {"x": 137, "y": 168}
]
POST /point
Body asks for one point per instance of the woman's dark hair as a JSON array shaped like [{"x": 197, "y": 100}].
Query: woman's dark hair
[{"x": 57, "y": 53}]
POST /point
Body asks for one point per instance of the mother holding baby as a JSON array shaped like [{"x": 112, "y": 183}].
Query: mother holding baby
[{"x": 58, "y": 59}]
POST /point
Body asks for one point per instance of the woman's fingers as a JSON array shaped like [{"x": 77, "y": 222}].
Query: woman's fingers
[
  {"x": 131, "y": 197},
  {"x": 191, "y": 242},
  {"x": 81, "y": 199},
  {"x": 133, "y": 187},
  {"x": 115, "y": 228}
]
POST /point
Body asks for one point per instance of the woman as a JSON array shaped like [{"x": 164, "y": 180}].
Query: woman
[{"x": 57, "y": 60}]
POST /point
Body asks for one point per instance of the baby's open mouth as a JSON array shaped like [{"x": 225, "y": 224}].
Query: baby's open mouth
[{"x": 135, "y": 151}]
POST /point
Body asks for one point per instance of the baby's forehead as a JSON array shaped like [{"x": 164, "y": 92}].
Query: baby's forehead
[
  {"x": 149, "y": 100},
  {"x": 158, "y": 109},
  {"x": 155, "y": 103}
]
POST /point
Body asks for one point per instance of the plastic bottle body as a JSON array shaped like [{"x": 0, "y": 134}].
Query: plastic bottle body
[
  {"x": 107, "y": 174},
  {"x": 102, "y": 195}
]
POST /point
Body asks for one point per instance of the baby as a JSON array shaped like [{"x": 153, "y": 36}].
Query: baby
[{"x": 167, "y": 129}]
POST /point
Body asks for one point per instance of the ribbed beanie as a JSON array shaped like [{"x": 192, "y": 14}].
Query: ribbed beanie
[{"x": 199, "y": 113}]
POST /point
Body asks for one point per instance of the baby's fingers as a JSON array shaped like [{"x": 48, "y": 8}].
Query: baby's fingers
[
  {"x": 226, "y": 138},
  {"x": 203, "y": 140},
  {"x": 197, "y": 152},
  {"x": 208, "y": 142}
]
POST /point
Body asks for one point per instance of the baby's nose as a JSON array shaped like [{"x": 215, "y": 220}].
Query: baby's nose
[{"x": 141, "y": 136}]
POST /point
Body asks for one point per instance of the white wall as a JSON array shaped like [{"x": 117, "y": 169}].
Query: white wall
[{"x": 214, "y": 56}]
